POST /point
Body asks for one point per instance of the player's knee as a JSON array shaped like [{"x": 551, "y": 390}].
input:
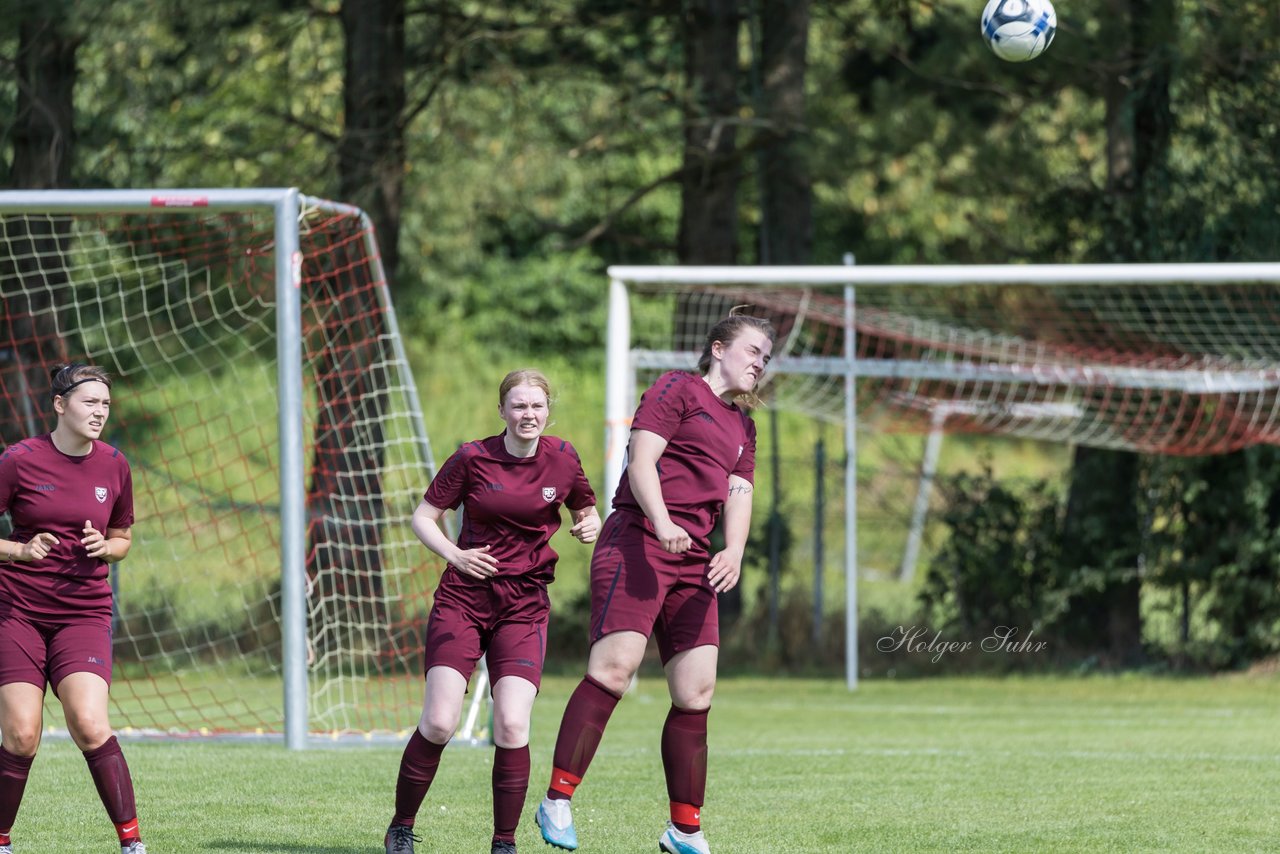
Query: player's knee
[
  {"x": 510, "y": 730},
  {"x": 438, "y": 728},
  {"x": 692, "y": 704},
  {"x": 613, "y": 674},
  {"x": 693, "y": 698},
  {"x": 21, "y": 738},
  {"x": 87, "y": 731}
]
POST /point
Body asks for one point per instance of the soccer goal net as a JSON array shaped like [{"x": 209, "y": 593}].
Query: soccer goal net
[
  {"x": 266, "y": 407},
  {"x": 1153, "y": 358}
]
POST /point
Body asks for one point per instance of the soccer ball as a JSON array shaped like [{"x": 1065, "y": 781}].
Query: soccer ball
[{"x": 1018, "y": 30}]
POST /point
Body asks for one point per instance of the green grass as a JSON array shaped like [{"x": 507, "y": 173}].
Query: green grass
[{"x": 1129, "y": 763}]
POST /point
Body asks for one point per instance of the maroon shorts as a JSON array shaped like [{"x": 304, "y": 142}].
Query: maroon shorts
[
  {"x": 638, "y": 587},
  {"x": 503, "y": 619},
  {"x": 44, "y": 653}
]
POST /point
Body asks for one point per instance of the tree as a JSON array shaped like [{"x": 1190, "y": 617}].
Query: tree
[
  {"x": 371, "y": 150},
  {"x": 786, "y": 185},
  {"x": 351, "y": 386},
  {"x": 710, "y": 173},
  {"x": 1103, "y": 526},
  {"x": 43, "y": 148}
]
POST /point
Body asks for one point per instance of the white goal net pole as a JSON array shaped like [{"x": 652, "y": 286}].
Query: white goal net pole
[
  {"x": 293, "y": 494},
  {"x": 850, "y": 486},
  {"x": 618, "y": 384}
]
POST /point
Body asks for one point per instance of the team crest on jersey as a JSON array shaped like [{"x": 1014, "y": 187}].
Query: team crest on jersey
[
  {"x": 548, "y": 493},
  {"x": 100, "y": 493}
]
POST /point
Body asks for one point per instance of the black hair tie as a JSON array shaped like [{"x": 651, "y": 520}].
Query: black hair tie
[{"x": 63, "y": 392}]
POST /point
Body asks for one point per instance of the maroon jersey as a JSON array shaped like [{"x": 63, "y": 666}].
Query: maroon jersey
[
  {"x": 44, "y": 489},
  {"x": 707, "y": 440},
  {"x": 512, "y": 504}
]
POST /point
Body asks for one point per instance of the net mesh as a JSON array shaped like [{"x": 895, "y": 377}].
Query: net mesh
[
  {"x": 180, "y": 307},
  {"x": 1170, "y": 368}
]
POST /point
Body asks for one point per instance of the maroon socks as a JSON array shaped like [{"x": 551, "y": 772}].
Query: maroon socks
[
  {"x": 418, "y": 767},
  {"x": 510, "y": 785},
  {"x": 580, "y": 732},
  {"x": 684, "y": 759},
  {"x": 13, "y": 780},
  {"x": 115, "y": 786}
]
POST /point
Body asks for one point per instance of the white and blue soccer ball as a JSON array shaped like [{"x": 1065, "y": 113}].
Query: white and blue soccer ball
[{"x": 1018, "y": 30}]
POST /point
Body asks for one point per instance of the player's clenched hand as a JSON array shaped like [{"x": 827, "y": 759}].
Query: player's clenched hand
[
  {"x": 95, "y": 544},
  {"x": 477, "y": 563},
  {"x": 724, "y": 570},
  {"x": 673, "y": 538},
  {"x": 37, "y": 547},
  {"x": 587, "y": 528}
]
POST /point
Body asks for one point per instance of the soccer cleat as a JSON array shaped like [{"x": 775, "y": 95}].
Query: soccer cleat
[
  {"x": 6, "y": 848},
  {"x": 134, "y": 847},
  {"x": 675, "y": 841},
  {"x": 503, "y": 847},
  {"x": 555, "y": 820},
  {"x": 400, "y": 839}
]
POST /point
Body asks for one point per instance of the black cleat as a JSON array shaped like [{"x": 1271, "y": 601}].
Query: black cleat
[{"x": 400, "y": 839}]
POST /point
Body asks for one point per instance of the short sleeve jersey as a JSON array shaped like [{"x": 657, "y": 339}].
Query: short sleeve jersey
[
  {"x": 707, "y": 441},
  {"x": 512, "y": 504},
  {"x": 43, "y": 489}
]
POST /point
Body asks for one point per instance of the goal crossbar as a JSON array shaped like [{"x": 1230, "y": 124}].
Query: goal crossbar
[
  {"x": 1196, "y": 381},
  {"x": 954, "y": 274}
]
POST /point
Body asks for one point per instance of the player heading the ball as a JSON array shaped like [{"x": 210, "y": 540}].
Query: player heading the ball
[{"x": 691, "y": 460}]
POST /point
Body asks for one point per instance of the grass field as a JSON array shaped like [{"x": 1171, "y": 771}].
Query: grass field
[{"x": 1128, "y": 763}]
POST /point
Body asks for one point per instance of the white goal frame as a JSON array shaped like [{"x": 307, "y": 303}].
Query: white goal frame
[
  {"x": 621, "y": 361},
  {"x": 287, "y": 205}
]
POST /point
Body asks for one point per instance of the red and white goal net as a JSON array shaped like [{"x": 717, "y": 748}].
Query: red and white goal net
[
  {"x": 1169, "y": 359},
  {"x": 178, "y": 300}
]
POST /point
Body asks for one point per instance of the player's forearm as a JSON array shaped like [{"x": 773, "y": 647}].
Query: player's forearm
[
  {"x": 429, "y": 532},
  {"x": 10, "y": 550},
  {"x": 737, "y": 517},
  {"x": 117, "y": 548}
]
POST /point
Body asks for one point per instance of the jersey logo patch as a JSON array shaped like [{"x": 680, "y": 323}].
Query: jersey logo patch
[
  {"x": 100, "y": 493},
  {"x": 548, "y": 493}
]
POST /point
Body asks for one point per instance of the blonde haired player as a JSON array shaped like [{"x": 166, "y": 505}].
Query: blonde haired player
[{"x": 492, "y": 599}]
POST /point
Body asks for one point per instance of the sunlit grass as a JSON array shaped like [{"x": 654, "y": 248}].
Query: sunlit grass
[{"x": 1125, "y": 763}]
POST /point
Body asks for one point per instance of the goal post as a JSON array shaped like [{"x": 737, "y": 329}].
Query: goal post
[
  {"x": 267, "y": 408},
  {"x": 1157, "y": 358}
]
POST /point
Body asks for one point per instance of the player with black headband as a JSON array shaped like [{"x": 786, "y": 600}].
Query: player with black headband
[{"x": 70, "y": 498}]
